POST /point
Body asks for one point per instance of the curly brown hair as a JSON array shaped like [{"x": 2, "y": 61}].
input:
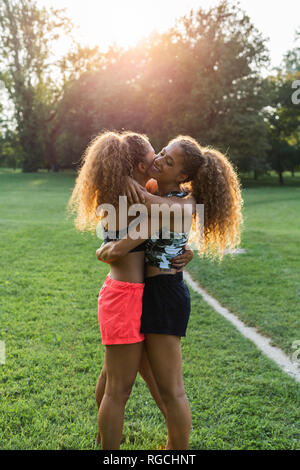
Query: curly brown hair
[
  {"x": 212, "y": 180},
  {"x": 108, "y": 159}
]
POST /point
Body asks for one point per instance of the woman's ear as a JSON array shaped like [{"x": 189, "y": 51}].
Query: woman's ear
[{"x": 142, "y": 167}]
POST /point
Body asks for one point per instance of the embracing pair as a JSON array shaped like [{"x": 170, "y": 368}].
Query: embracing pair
[{"x": 144, "y": 304}]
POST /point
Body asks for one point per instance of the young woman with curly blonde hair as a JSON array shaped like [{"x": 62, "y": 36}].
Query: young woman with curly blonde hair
[
  {"x": 186, "y": 174},
  {"x": 109, "y": 160}
]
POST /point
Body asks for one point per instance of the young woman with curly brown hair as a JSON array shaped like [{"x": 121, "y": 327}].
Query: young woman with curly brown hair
[
  {"x": 107, "y": 162},
  {"x": 187, "y": 174}
]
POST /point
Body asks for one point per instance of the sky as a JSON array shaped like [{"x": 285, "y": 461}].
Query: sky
[{"x": 102, "y": 22}]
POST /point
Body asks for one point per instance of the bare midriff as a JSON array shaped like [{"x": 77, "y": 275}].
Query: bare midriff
[{"x": 129, "y": 268}]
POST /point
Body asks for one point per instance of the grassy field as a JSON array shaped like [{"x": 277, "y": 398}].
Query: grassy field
[{"x": 49, "y": 284}]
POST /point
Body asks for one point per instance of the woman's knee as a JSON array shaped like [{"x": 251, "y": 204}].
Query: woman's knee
[
  {"x": 119, "y": 390},
  {"x": 171, "y": 394}
]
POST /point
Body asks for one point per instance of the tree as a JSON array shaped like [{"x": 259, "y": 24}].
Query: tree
[
  {"x": 100, "y": 93},
  {"x": 10, "y": 150},
  {"x": 284, "y": 116},
  {"x": 291, "y": 61},
  {"x": 282, "y": 157},
  {"x": 283, "y": 129},
  {"x": 199, "y": 78},
  {"x": 202, "y": 78},
  {"x": 27, "y": 34}
]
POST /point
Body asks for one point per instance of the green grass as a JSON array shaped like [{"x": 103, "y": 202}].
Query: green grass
[{"x": 49, "y": 284}]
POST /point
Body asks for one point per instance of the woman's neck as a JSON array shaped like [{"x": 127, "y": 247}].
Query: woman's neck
[{"x": 167, "y": 188}]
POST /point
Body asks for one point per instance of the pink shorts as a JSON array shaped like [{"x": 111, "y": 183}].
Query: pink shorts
[{"x": 120, "y": 311}]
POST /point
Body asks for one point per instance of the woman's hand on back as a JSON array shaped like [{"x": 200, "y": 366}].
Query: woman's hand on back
[{"x": 180, "y": 261}]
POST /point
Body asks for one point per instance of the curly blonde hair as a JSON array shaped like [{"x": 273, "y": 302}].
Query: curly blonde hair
[
  {"x": 212, "y": 181},
  {"x": 109, "y": 158}
]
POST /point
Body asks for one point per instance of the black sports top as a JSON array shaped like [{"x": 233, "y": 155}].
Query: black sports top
[{"x": 113, "y": 236}]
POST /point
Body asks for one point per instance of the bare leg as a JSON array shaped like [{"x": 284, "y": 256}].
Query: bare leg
[
  {"x": 146, "y": 373},
  {"x": 122, "y": 363},
  {"x": 164, "y": 352},
  {"x": 100, "y": 387}
]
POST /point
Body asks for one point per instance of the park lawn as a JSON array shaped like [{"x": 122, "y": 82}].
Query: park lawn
[
  {"x": 261, "y": 286},
  {"x": 49, "y": 286}
]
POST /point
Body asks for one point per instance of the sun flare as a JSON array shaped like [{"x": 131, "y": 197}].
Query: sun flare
[
  {"x": 101, "y": 23},
  {"x": 125, "y": 22}
]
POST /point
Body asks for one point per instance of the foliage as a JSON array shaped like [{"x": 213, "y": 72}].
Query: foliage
[
  {"x": 27, "y": 34},
  {"x": 201, "y": 78},
  {"x": 10, "y": 150},
  {"x": 284, "y": 116},
  {"x": 292, "y": 57}
]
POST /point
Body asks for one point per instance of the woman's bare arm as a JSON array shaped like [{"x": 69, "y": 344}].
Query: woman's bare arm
[
  {"x": 137, "y": 194},
  {"x": 112, "y": 251}
]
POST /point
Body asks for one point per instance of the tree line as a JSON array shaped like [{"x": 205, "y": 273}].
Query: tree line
[{"x": 203, "y": 77}]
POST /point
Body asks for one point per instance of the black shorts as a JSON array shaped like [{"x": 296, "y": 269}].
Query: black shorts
[{"x": 166, "y": 305}]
